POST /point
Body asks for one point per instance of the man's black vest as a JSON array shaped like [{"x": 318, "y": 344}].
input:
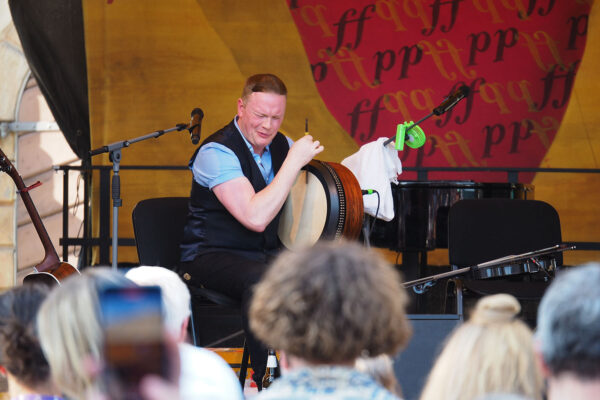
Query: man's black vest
[{"x": 210, "y": 226}]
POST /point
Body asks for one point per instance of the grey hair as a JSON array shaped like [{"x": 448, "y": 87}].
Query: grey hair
[
  {"x": 568, "y": 323},
  {"x": 175, "y": 293}
]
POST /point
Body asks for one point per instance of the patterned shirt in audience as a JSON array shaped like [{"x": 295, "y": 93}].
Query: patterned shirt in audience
[{"x": 325, "y": 383}]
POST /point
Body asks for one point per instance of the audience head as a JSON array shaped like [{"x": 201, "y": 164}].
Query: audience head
[
  {"x": 73, "y": 336},
  {"x": 490, "y": 353},
  {"x": 20, "y": 353},
  {"x": 568, "y": 324},
  {"x": 330, "y": 304},
  {"x": 175, "y": 294}
]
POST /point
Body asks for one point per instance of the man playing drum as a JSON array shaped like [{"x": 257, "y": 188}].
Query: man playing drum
[{"x": 242, "y": 176}]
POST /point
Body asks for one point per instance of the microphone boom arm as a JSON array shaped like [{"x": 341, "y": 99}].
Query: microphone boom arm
[
  {"x": 125, "y": 143},
  {"x": 448, "y": 103},
  {"x": 114, "y": 150}
]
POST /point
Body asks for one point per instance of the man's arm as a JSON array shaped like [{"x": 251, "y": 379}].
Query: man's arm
[{"x": 256, "y": 210}]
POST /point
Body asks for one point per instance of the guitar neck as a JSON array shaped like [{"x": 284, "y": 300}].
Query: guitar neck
[
  {"x": 50, "y": 256},
  {"x": 51, "y": 259}
]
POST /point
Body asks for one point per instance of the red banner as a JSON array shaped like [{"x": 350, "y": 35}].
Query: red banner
[{"x": 380, "y": 63}]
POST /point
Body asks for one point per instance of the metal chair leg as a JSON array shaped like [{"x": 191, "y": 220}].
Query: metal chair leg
[
  {"x": 244, "y": 365},
  {"x": 193, "y": 326}
]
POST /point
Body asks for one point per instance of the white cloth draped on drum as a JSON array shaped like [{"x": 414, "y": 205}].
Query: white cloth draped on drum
[{"x": 375, "y": 167}]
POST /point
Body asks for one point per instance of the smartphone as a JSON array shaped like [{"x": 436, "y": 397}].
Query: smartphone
[{"x": 134, "y": 338}]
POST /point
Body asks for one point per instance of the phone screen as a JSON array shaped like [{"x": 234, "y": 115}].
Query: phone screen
[{"x": 134, "y": 337}]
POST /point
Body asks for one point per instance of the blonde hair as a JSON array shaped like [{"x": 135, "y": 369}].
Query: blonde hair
[
  {"x": 491, "y": 353},
  {"x": 331, "y": 303},
  {"x": 70, "y": 329}
]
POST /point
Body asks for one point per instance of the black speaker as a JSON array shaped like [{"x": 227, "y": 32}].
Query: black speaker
[{"x": 413, "y": 364}]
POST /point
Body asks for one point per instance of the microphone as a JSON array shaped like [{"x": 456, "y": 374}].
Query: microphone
[
  {"x": 452, "y": 100},
  {"x": 195, "y": 125}
]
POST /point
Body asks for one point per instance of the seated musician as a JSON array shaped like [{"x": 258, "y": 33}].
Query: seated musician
[{"x": 242, "y": 176}]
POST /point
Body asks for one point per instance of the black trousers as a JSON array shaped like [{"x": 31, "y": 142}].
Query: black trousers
[{"x": 235, "y": 276}]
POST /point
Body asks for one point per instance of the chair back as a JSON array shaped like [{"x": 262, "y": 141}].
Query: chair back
[
  {"x": 158, "y": 225},
  {"x": 481, "y": 230}
]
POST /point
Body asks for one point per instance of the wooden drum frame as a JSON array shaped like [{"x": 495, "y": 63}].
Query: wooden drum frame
[{"x": 325, "y": 202}]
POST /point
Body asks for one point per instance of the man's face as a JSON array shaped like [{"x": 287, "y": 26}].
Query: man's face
[{"x": 260, "y": 118}]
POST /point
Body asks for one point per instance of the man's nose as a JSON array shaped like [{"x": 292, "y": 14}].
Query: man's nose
[{"x": 267, "y": 123}]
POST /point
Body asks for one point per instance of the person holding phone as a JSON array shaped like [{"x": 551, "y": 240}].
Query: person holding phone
[
  {"x": 134, "y": 338},
  {"x": 242, "y": 175}
]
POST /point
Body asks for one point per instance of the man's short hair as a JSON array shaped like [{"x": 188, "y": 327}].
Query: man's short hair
[
  {"x": 568, "y": 323},
  {"x": 330, "y": 304},
  {"x": 175, "y": 293},
  {"x": 266, "y": 83}
]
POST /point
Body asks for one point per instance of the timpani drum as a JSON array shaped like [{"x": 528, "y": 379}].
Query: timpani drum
[{"x": 325, "y": 202}]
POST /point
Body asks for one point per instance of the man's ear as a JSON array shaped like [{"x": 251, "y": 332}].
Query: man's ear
[
  {"x": 2, "y": 370},
  {"x": 240, "y": 107},
  {"x": 539, "y": 358}
]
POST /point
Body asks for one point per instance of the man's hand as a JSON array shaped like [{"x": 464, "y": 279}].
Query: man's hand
[
  {"x": 256, "y": 210},
  {"x": 303, "y": 150}
]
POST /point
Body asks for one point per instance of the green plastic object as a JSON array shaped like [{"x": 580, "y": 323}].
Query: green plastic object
[
  {"x": 414, "y": 139},
  {"x": 400, "y": 132}
]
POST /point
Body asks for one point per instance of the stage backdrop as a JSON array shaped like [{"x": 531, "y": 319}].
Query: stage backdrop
[{"x": 355, "y": 69}]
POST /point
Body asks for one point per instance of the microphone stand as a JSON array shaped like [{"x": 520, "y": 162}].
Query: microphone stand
[{"x": 114, "y": 150}]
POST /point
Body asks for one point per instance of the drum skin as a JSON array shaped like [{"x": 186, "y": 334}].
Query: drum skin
[{"x": 325, "y": 202}]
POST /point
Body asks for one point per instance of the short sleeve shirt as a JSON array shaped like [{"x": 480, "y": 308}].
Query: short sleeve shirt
[{"x": 215, "y": 163}]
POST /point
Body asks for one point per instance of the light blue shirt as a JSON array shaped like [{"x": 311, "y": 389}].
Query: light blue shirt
[{"x": 216, "y": 163}]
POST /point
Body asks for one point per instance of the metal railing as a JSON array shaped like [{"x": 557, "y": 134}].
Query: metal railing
[{"x": 103, "y": 240}]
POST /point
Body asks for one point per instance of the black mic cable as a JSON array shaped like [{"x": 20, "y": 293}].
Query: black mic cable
[{"x": 369, "y": 192}]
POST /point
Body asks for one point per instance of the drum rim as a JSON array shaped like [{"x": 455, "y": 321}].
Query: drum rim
[{"x": 336, "y": 201}]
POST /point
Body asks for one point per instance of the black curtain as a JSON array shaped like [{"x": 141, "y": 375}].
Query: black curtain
[{"x": 51, "y": 34}]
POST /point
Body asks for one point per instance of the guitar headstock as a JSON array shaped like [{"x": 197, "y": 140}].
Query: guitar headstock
[{"x": 5, "y": 164}]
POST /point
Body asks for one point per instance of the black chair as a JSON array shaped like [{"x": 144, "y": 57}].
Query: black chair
[
  {"x": 158, "y": 228},
  {"x": 481, "y": 230}
]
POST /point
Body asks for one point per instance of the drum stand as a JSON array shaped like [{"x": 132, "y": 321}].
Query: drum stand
[{"x": 114, "y": 150}]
